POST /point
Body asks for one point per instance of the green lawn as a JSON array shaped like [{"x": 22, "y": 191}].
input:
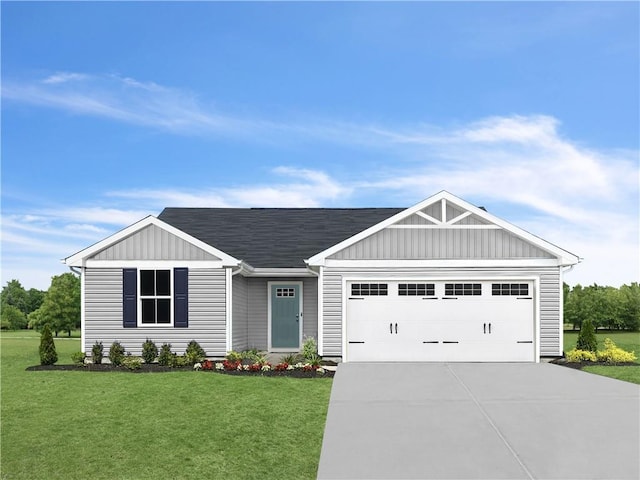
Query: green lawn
[
  {"x": 626, "y": 340},
  {"x": 67, "y": 425}
]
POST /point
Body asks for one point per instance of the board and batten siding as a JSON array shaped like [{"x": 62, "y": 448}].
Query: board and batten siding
[
  {"x": 153, "y": 243},
  {"x": 240, "y": 324},
  {"x": 548, "y": 294},
  {"x": 440, "y": 244},
  {"x": 207, "y": 314},
  {"x": 258, "y": 314}
]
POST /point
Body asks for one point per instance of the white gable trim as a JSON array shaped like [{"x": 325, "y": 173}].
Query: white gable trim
[
  {"x": 80, "y": 259},
  {"x": 564, "y": 257}
]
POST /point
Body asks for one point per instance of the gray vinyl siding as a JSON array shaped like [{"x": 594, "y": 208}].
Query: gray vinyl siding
[
  {"x": 240, "y": 289},
  {"x": 207, "y": 314},
  {"x": 258, "y": 315},
  {"x": 153, "y": 243},
  {"x": 549, "y": 298},
  {"x": 440, "y": 244}
]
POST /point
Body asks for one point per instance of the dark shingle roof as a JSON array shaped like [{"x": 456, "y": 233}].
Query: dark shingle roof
[{"x": 274, "y": 237}]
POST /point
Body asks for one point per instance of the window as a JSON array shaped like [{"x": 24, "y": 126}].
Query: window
[
  {"x": 504, "y": 289},
  {"x": 369, "y": 289},
  {"x": 463, "y": 289},
  {"x": 285, "y": 292},
  {"x": 416, "y": 289},
  {"x": 155, "y": 296}
]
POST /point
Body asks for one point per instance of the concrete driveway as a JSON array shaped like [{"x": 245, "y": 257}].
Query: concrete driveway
[{"x": 479, "y": 421}]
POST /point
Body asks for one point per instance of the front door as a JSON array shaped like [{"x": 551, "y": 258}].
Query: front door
[{"x": 285, "y": 316}]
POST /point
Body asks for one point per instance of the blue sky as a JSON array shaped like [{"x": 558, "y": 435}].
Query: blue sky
[{"x": 112, "y": 111}]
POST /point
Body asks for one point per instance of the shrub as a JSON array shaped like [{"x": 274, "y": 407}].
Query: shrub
[
  {"x": 587, "y": 337},
  {"x": 78, "y": 358},
  {"x": 149, "y": 351},
  {"x": 614, "y": 354},
  {"x": 180, "y": 361},
  {"x": 576, "y": 355},
  {"x": 309, "y": 347},
  {"x": 233, "y": 356},
  {"x": 165, "y": 357},
  {"x": 290, "y": 358},
  {"x": 194, "y": 353},
  {"x": 132, "y": 363},
  {"x": 48, "y": 354},
  {"x": 96, "y": 353},
  {"x": 116, "y": 353},
  {"x": 281, "y": 367}
]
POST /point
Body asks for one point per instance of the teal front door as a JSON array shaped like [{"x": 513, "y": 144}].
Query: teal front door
[{"x": 285, "y": 316}]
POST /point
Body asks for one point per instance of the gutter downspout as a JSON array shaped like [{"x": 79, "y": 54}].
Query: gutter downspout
[{"x": 80, "y": 272}]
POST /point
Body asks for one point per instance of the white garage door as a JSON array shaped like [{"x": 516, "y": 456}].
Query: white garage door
[{"x": 463, "y": 321}]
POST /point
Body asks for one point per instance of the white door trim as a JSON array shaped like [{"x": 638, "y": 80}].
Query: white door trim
[{"x": 300, "y": 317}]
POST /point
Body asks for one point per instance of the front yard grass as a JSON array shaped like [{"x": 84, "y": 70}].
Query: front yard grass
[
  {"x": 629, "y": 341},
  {"x": 183, "y": 424}
]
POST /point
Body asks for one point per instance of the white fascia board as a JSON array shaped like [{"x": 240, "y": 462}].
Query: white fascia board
[
  {"x": 391, "y": 264},
  {"x": 565, "y": 257},
  {"x": 154, "y": 264},
  {"x": 80, "y": 258}
]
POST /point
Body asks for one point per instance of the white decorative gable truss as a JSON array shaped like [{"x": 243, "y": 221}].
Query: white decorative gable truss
[{"x": 444, "y": 230}]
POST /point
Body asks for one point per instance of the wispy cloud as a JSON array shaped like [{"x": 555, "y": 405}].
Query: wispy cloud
[
  {"x": 583, "y": 198},
  {"x": 306, "y": 188}
]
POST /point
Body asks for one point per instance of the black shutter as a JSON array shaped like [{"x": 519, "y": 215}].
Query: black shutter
[
  {"x": 129, "y": 298},
  {"x": 181, "y": 297}
]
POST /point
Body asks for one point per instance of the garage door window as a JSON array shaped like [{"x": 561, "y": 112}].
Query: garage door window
[
  {"x": 509, "y": 289},
  {"x": 462, "y": 289},
  {"x": 416, "y": 289},
  {"x": 369, "y": 289}
]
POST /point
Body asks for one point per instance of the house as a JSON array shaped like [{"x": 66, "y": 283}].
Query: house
[{"x": 443, "y": 280}]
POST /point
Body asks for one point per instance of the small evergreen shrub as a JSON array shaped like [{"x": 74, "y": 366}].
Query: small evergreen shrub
[
  {"x": 165, "y": 357},
  {"x": 132, "y": 363},
  {"x": 179, "y": 361},
  {"x": 587, "y": 337},
  {"x": 577, "y": 356},
  {"x": 149, "y": 351},
  {"x": 116, "y": 353},
  {"x": 194, "y": 353},
  {"x": 48, "y": 354},
  {"x": 97, "y": 353},
  {"x": 309, "y": 348},
  {"x": 78, "y": 358},
  {"x": 615, "y": 354}
]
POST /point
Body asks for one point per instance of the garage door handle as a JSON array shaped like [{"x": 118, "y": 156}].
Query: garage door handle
[
  {"x": 489, "y": 328},
  {"x": 396, "y": 328},
  {"x": 391, "y": 328},
  {"x": 485, "y": 328}
]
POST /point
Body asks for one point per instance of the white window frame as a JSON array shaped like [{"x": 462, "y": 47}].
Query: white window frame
[{"x": 155, "y": 297}]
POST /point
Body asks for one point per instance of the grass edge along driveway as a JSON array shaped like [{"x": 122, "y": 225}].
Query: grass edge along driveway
[{"x": 70, "y": 425}]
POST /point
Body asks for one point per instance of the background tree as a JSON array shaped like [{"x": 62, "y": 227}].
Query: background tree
[
  {"x": 13, "y": 318},
  {"x": 630, "y": 307},
  {"x": 34, "y": 301},
  {"x": 61, "y": 306},
  {"x": 14, "y": 294},
  {"x": 17, "y": 303}
]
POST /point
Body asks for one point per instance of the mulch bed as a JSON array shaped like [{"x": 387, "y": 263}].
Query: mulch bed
[
  {"x": 580, "y": 365},
  {"x": 154, "y": 367}
]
